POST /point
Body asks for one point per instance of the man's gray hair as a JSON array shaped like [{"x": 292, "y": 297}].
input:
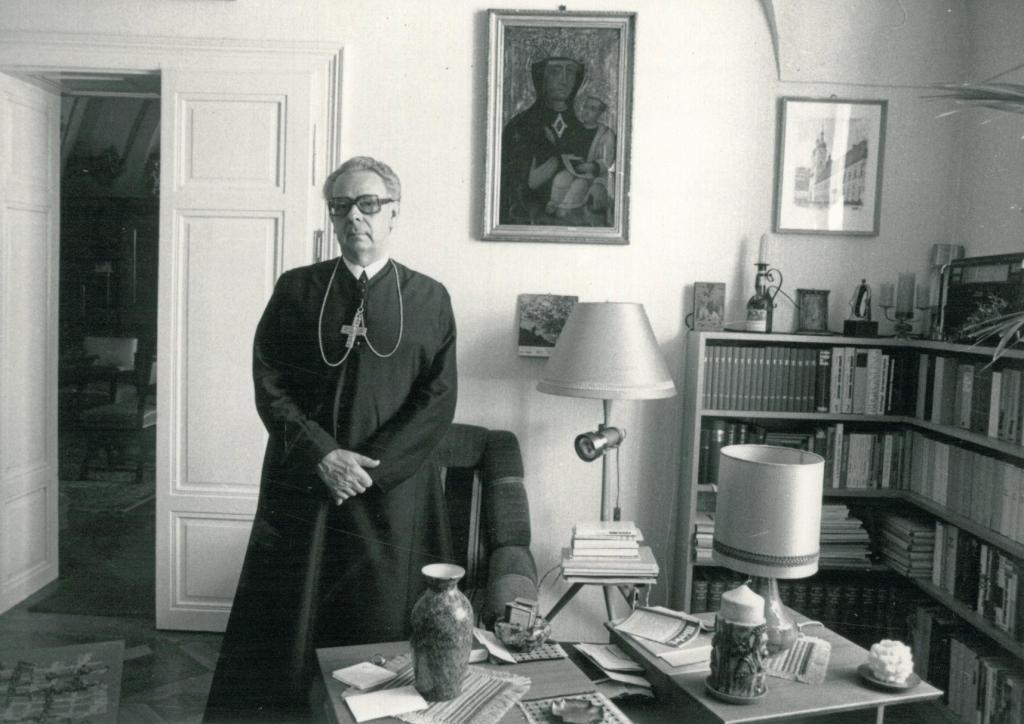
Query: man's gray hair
[{"x": 364, "y": 163}]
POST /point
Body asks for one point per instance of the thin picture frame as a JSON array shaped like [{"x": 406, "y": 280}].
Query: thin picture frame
[
  {"x": 812, "y": 311},
  {"x": 559, "y": 126},
  {"x": 541, "y": 319},
  {"x": 819, "y": 190}
]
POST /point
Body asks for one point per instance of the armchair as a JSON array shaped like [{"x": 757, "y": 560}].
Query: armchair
[{"x": 489, "y": 515}]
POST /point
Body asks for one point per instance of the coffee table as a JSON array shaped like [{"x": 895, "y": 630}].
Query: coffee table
[
  {"x": 555, "y": 677},
  {"x": 842, "y": 690}
]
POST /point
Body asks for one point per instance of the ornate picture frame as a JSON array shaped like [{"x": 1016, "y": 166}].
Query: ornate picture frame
[
  {"x": 829, "y": 166},
  {"x": 559, "y": 126}
]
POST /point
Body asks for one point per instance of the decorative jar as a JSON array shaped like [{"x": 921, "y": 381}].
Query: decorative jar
[{"x": 442, "y": 633}]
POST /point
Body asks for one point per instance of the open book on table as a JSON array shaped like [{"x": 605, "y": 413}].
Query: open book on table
[{"x": 677, "y": 637}]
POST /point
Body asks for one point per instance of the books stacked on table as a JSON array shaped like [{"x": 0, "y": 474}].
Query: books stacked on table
[
  {"x": 845, "y": 542},
  {"x": 608, "y": 549},
  {"x": 704, "y": 535},
  {"x": 908, "y": 545}
]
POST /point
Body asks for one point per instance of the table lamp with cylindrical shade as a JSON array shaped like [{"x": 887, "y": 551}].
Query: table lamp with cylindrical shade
[
  {"x": 606, "y": 351},
  {"x": 768, "y": 523}
]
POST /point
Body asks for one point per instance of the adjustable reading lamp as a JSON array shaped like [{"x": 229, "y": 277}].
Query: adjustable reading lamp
[
  {"x": 606, "y": 351},
  {"x": 768, "y": 523}
]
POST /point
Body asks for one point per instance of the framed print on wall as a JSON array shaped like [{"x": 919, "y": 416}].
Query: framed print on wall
[
  {"x": 559, "y": 106},
  {"x": 829, "y": 166}
]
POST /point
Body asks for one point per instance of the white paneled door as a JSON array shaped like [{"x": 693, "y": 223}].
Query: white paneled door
[
  {"x": 237, "y": 190},
  {"x": 29, "y": 246}
]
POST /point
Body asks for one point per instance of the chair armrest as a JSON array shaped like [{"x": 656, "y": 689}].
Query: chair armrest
[{"x": 512, "y": 572}]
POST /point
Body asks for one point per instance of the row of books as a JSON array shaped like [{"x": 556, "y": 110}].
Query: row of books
[
  {"x": 845, "y": 542},
  {"x": 980, "y": 683},
  {"x": 783, "y": 378},
  {"x": 865, "y": 381},
  {"x": 981, "y": 576},
  {"x": 764, "y": 377},
  {"x": 908, "y": 544},
  {"x": 985, "y": 489},
  {"x": 867, "y": 460},
  {"x": 972, "y": 395},
  {"x": 863, "y": 459},
  {"x": 864, "y": 608}
]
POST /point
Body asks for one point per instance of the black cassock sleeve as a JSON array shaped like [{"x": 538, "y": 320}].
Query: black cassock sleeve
[
  {"x": 304, "y": 440},
  {"x": 403, "y": 443}
]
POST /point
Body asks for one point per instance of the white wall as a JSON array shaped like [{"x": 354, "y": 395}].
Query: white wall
[
  {"x": 703, "y": 161},
  {"x": 991, "y": 200}
]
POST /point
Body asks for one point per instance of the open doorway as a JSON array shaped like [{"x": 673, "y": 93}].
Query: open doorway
[{"x": 109, "y": 234}]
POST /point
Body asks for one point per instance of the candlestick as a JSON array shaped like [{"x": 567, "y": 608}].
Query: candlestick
[
  {"x": 905, "y": 293},
  {"x": 924, "y": 296},
  {"x": 762, "y": 252},
  {"x": 885, "y": 295}
]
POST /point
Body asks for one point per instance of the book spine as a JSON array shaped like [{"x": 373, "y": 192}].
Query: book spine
[{"x": 822, "y": 375}]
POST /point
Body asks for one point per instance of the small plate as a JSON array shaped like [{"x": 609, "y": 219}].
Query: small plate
[
  {"x": 731, "y": 698},
  {"x": 864, "y": 670},
  {"x": 577, "y": 711}
]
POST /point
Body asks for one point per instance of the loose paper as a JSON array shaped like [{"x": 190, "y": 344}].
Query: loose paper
[
  {"x": 609, "y": 657},
  {"x": 388, "y": 702},
  {"x": 363, "y": 675},
  {"x": 494, "y": 647}
]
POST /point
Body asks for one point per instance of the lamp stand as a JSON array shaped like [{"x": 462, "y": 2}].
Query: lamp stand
[
  {"x": 782, "y": 629},
  {"x": 606, "y": 502}
]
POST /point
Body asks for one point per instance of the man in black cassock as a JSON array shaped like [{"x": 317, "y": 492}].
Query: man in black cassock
[{"x": 354, "y": 367}]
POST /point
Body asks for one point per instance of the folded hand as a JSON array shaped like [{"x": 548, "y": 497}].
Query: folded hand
[{"x": 344, "y": 473}]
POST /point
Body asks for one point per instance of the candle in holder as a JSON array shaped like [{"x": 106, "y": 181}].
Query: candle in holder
[
  {"x": 905, "y": 294},
  {"x": 885, "y": 295},
  {"x": 739, "y": 646}
]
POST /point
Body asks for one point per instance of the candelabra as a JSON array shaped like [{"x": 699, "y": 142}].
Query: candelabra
[{"x": 903, "y": 309}]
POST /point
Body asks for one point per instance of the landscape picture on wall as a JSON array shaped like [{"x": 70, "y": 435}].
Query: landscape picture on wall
[
  {"x": 829, "y": 166},
  {"x": 541, "y": 318}
]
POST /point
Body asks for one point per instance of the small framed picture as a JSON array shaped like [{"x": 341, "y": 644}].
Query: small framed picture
[
  {"x": 708, "y": 305},
  {"x": 812, "y": 311},
  {"x": 541, "y": 318},
  {"x": 829, "y": 166}
]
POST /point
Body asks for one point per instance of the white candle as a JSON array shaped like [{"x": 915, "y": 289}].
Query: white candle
[
  {"x": 762, "y": 252},
  {"x": 741, "y": 605},
  {"x": 905, "y": 293},
  {"x": 885, "y": 294}
]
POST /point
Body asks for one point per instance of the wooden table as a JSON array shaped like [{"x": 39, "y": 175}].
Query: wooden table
[
  {"x": 842, "y": 690},
  {"x": 558, "y": 677}
]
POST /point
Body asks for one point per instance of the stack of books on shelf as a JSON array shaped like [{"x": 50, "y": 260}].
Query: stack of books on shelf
[
  {"x": 981, "y": 682},
  {"x": 608, "y": 549},
  {"x": 908, "y": 545},
  {"x": 845, "y": 542},
  {"x": 982, "y": 577},
  {"x": 983, "y": 488},
  {"x": 704, "y": 535},
  {"x": 972, "y": 395}
]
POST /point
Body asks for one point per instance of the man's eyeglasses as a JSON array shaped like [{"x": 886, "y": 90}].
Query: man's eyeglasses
[{"x": 367, "y": 204}]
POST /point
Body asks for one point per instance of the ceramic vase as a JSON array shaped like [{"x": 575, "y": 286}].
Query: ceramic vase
[{"x": 442, "y": 633}]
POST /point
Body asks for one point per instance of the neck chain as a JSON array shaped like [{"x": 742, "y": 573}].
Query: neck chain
[{"x": 357, "y": 328}]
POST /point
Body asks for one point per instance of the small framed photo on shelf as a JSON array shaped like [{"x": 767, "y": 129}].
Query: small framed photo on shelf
[
  {"x": 708, "y": 306},
  {"x": 812, "y": 311},
  {"x": 829, "y": 166},
  {"x": 541, "y": 318}
]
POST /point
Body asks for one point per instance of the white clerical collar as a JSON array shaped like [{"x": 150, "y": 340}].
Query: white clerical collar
[{"x": 371, "y": 270}]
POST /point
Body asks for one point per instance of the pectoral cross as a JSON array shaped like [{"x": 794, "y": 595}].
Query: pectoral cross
[{"x": 354, "y": 330}]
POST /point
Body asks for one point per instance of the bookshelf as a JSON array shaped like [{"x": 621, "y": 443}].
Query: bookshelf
[{"x": 909, "y": 403}]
